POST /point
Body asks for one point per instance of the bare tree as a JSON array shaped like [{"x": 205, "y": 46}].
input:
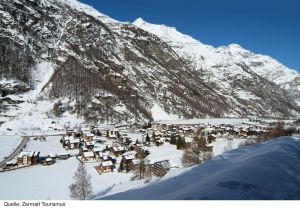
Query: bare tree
[
  {"x": 139, "y": 170},
  {"x": 197, "y": 152},
  {"x": 81, "y": 189},
  {"x": 148, "y": 171}
]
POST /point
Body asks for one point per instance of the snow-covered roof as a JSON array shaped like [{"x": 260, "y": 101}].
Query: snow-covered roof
[
  {"x": 89, "y": 143},
  {"x": 74, "y": 141},
  {"x": 129, "y": 156},
  {"x": 89, "y": 134},
  {"x": 97, "y": 149},
  {"x": 106, "y": 163},
  {"x": 25, "y": 153},
  {"x": 49, "y": 159},
  {"x": 103, "y": 154},
  {"x": 118, "y": 148},
  {"x": 88, "y": 154},
  {"x": 13, "y": 161},
  {"x": 51, "y": 155},
  {"x": 96, "y": 138}
]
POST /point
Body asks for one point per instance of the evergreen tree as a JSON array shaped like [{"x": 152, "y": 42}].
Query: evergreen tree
[
  {"x": 148, "y": 138},
  {"x": 173, "y": 140},
  {"x": 121, "y": 168},
  {"x": 180, "y": 144}
]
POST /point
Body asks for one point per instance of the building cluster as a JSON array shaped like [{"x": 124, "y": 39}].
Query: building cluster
[
  {"x": 115, "y": 149},
  {"x": 165, "y": 133},
  {"x": 29, "y": 158}
]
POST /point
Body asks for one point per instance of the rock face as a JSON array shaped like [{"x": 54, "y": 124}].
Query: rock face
[{"x": 105, "y": 70}]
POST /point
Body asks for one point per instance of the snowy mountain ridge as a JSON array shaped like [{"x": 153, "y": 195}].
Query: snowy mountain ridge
[
  {"x": 62, "y": 58},
  {"x": 207, "y": 56}
]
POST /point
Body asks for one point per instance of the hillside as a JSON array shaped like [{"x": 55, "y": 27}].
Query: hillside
[
  {"x": 63, "y": 59},
  {"x": 260, "y": 172}
]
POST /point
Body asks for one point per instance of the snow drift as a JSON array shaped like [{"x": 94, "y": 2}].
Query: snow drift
[{"x": 261, "y": 172}]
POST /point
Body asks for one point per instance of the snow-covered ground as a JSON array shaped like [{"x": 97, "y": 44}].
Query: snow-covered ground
[
  {"x": 50, "y": 145},
  {"x": 8, "y": 144},
  {"x": 263, "y": 171},
  {"x": 159, "y": 114},
  {"x": 166, "y": 152},
  {"x": 52, "y": 182},
  {"x": 55, "y": 184},
  {"x": 222, "y": 145},
  {"x": 209, "y": 121}
]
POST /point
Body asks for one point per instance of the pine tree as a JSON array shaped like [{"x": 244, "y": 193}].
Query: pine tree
[
  {"x": 122, "y": 167},
  {"x": 180, "y": 144},
  {"x": 81, "y": 189},
  {"x": 148, "y": 138},
  {"x": 173, "y": 140}
]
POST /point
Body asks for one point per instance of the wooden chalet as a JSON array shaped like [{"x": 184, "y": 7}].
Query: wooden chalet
[
  {"x": 49, "y": 161},
  {"x": 117, "y": 150},
  {"x": 74, "y": 143},
  {"x": 211, "y": 138},
  {"x": 88, "y": 156},
  {"x": 104, "y": 167}
]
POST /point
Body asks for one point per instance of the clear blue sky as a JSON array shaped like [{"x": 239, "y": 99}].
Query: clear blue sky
[{"x": 262, "y": 26}]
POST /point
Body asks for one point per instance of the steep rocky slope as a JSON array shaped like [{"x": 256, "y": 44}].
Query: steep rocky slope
[{"x": 85, "y": 63}]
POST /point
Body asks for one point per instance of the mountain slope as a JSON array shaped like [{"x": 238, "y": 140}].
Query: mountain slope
[
  {"x": 209, "y": 59},
  {"x": 80, "y": 62},
  {"x": 260, "y": 172}
]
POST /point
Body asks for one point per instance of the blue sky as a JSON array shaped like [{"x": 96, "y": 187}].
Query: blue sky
[{"x": 262, "y": 26}]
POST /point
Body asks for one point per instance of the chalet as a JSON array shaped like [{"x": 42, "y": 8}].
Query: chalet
[
  {"x": 105, "y": 166},
  {"x": 129, "y": 156},
  {"x": 97, "y": 150},
  {"x": 51, "y": 155},
  {"x": 87, "y": 136},
  {"x": 103, "y": 156},
  {"x": 117, "y": 150},
  {"x": 112, "y": 134},
  {"x": 233, "y": 132},
  {"x": 10, "y": 164},
  {"x": 70, "y": 132},
  {"x": 243, "y": 132},
  {"x": 74, "y": 143},
  {"x": 99, "y": 139},
  {"x": 160, "y": 168},
  {"x": 24, "y": 158},
  {"x": 63, "y": 156},
  {"x": 65, "y": 140},
  {"x": 211, "y": 138},
  {"x": 89, "y": 144},
  {"x": 49, "y": 161},
  {"x": 88, "y": 156}
]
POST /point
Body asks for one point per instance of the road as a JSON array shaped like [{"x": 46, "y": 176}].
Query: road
[{"x": 15, "y": 152}]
